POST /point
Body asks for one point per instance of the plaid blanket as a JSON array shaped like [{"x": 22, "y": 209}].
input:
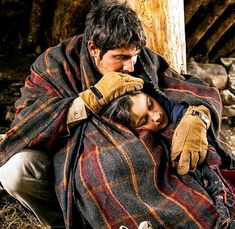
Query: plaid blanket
[
  {"x": 56, "y": 78},
  {"x": 124, "y": 180}
]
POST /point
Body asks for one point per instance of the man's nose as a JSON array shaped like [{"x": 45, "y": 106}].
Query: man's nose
[{"x": 129, "y": 64}]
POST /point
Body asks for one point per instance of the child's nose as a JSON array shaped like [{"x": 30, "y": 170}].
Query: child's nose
[{"x": 156, "y": 116}]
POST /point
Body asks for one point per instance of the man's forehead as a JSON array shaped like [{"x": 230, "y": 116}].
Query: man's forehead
[{"x": 124, "y": 51}]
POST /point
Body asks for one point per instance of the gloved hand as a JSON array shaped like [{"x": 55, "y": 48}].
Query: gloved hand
[
  {"x": 189, "y": 143},
  {"x": 111, "y": 86}
]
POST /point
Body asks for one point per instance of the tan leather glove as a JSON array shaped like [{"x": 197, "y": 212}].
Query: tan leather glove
[
  {"x": 189, "y": 143},
  {"x": 111, "y": 86}
]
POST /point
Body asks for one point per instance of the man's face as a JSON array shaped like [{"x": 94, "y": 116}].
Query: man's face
[{"x": 116, "y": 60}]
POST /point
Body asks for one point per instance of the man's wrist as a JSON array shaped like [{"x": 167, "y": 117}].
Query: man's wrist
[{"x": 202, "y": 116}]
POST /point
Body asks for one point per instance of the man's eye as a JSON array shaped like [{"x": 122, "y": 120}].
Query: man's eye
[{"x": 122, "y": 57}]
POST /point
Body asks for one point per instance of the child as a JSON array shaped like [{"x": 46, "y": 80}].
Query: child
[{"x": 138, "y": 110}]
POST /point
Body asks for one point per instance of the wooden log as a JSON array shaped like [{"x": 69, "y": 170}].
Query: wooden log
[
  {"x": 211, "y": 15},
  {"x": 164, "y": 25},
  {"x": 35, "y": 20},
  {"x": 58, "y": 20},
  {"x": 190, "y": 7},
  {"x": 218, "y": 31},
  {"x": 74, "y": 18},
  {"x": 225, "y": 48}
]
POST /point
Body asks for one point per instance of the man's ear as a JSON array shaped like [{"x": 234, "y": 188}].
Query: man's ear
[{"x": 93, "y": 50}]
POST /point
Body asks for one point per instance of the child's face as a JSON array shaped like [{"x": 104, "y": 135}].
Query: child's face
[{"x": 148, "y": 113}]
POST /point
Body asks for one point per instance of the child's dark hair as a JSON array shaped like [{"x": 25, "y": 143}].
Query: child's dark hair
[
  {"x": 120, "y": 110},
  {"x": 111, "y": 25}
]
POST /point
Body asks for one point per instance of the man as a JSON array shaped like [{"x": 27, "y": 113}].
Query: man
[{"x": 68, "y": 84}]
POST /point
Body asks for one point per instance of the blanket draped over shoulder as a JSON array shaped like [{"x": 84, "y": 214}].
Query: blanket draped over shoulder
[{"x": 103, "y": 173}]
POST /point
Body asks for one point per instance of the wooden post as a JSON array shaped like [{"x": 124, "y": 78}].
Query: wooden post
[{"x": 165, "y": 29}]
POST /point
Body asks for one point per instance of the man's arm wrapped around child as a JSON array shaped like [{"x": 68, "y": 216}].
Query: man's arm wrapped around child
[{"x": 189, "y": 143}]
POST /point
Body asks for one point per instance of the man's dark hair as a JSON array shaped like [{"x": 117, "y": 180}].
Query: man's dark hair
[
  {"x": 111, "y": 25},
  {"x": 119, "y": 110}
]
